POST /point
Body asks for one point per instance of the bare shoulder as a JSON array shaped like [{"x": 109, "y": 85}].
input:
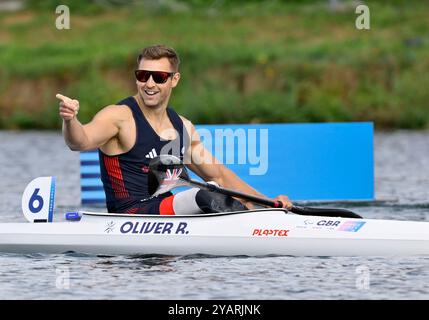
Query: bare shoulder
[
  {"x": 192, "y": 131},
  {"x": 115, "y": 112},
  {"x": 187, "y": 123},
  {"x": 116, "y": 109}
]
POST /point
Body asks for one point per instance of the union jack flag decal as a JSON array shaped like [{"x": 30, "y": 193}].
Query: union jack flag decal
[{"x": 173, "y": 175}]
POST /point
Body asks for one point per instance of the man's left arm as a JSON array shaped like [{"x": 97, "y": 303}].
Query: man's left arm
[{"x": 206, "y": 166}]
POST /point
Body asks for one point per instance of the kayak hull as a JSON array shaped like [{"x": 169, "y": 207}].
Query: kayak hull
[{"x": 250, "y": 233}]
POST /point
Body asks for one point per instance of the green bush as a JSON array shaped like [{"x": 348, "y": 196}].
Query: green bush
[{"x": 242, "y": 61}]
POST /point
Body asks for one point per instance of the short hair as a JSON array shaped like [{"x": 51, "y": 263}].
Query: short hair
[{"x": 160, "y": 51}]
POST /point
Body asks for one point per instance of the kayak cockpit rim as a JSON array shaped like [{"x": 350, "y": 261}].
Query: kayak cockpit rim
[{"x": 127, "y": 215}]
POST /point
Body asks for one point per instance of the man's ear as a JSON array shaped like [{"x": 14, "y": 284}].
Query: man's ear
[{"x": 175, "y": 80}]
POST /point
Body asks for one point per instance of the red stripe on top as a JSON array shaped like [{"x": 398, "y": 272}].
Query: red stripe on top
[
  {"x": 115, "y": 175},
  {"x": 166, "y": 206}
]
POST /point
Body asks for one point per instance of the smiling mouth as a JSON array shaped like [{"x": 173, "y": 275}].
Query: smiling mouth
[{"x": 150, "y": 92}]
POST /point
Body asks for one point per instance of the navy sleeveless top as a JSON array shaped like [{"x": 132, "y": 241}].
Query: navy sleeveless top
[{"x": 125, "y": 176}]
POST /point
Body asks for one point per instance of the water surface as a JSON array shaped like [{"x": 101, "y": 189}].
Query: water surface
[{"x": 401, "y": 181}]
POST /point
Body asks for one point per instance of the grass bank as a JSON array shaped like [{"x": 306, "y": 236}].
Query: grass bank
[{"x": 257, "y": 61}]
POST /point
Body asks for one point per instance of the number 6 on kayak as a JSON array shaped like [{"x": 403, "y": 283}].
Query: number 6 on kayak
[{"x": 38, "y": 200}]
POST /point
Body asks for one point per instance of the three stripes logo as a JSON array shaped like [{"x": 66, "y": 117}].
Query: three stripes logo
[{"x": 152, "y": 154}]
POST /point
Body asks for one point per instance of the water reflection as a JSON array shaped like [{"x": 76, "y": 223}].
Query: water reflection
[{"x": 148, "y": 263}]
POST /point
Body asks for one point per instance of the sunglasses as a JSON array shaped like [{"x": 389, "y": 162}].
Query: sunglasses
[{"x": 157, "y": 76}]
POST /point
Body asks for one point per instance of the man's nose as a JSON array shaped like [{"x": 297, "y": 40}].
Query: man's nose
[{"x": 150, "y": 83}]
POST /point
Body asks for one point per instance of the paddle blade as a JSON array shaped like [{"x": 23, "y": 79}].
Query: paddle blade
[
  {"x": 325, "y": 212},
  {"x": 166, "y": 172}
]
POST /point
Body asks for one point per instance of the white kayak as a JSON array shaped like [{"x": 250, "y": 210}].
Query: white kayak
[{"x": 251, "y": 233}]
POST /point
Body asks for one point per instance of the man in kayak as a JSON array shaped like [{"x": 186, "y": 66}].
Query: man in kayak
[{"x": 131, "y": 132}]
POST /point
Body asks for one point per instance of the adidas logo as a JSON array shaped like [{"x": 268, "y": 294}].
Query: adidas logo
[{"x": 152, "y": 154}]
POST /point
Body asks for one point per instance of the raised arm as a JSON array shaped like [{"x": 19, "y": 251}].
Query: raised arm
[{"x": 96, "y": 133}]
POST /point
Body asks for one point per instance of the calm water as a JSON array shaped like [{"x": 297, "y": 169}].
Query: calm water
[{"x": 402, "y": 177}]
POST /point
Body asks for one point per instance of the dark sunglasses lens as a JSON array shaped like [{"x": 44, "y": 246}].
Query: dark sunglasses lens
[
  {"x": 142, "y": 75},
  {"x": 157, "y": 76},
  {"x": 160, "y": 77}
]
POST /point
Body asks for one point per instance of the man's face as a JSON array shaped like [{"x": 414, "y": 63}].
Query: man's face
[{"x": 156, "y": 95}]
